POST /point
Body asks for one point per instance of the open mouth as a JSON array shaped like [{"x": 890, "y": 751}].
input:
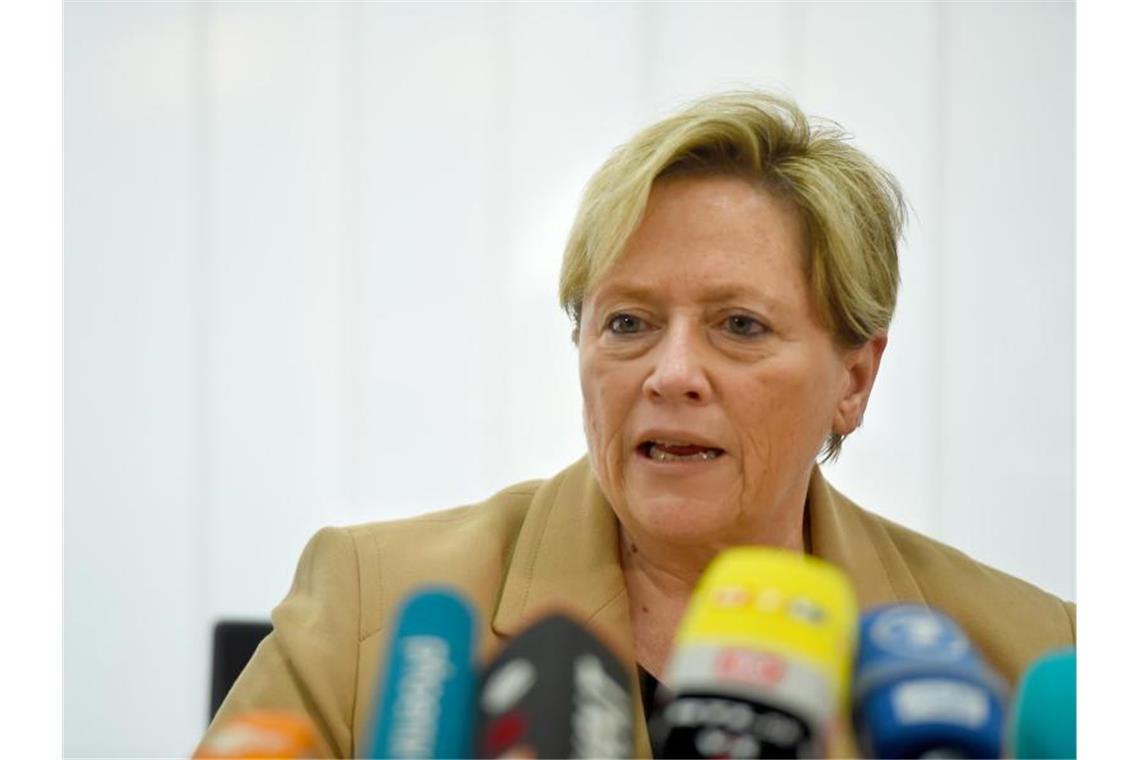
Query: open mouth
[{"x": 672, "y": 451}]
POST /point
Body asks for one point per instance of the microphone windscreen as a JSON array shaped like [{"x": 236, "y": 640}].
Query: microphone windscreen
[
  {"x": 260, "y": 734},
  {"x": 921, "y": 689},
  {"x": 761, "y": 665},
  {"x": 425, "y": 706},
  {"x": 1043, "y": 721},
  {"x": 555, "y": 691}
]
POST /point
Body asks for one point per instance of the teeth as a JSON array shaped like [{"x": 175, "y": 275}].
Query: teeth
[{"x": 664, "y": 456}]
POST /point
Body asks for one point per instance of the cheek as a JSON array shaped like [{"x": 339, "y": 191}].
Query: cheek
[
  {"x": 597, "y": 399},
  {"x": 593, "y": 415},
  {"x": 606, "y": 406},
  {"x": 783, "y": 414},
  {"x": 596, "y": 417}
]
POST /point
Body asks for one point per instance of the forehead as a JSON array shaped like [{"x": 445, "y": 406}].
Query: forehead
[{"x": 711, "y": 239}]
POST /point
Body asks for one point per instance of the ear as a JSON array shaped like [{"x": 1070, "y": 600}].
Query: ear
[{"x": 860, "y": 367}]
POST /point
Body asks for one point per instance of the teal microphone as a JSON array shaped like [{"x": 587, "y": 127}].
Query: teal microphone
[
  {"x": 1044, "y": 723},
  {"x": 425, "y": 707}
]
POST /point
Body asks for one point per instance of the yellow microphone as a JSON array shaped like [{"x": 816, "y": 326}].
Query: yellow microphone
[
  {"x": 762, "y": 662},
  {"x": 261, "y": 734}
]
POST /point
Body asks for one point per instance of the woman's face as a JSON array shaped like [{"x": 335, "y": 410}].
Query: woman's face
[{"x": 709, "y": 385}]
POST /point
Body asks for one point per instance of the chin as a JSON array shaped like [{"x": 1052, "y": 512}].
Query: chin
[{"x": 679, "y": 520}]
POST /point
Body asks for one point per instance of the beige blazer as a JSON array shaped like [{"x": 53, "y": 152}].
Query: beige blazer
[{"x": 544, "y": 544}]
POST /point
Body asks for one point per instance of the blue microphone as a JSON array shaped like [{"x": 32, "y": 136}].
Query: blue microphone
[
  {"x": 1043, "y": 721},
  {"x": 921, "y": 690},
  {"x": 426, "y": 704}
]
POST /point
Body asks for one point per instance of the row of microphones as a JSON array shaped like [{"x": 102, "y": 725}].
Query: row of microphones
[
  {"x": 552, "y": 691},
  {"x": 772, "y": 657},
  {"x": 771, "y": 660},
  {"x": 555, "y": 690}
]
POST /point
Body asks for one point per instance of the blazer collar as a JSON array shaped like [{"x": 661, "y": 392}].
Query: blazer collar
[
  {"x": 567, "y": 556},
  {"x": 857, "y": 543}
]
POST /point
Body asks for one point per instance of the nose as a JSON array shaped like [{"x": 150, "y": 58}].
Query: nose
[{"x": 679, "y": 372}]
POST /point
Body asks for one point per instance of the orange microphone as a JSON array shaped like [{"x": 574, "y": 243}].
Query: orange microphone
[{"x": 261, "y": 734}]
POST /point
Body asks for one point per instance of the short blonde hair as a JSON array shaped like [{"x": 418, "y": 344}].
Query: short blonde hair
[{"x": 852, "y": 209}]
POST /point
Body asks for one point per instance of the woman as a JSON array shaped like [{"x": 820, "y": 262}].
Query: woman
[{"x": 731, "y": 276}]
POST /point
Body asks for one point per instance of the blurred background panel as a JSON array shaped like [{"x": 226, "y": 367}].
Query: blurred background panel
[
  {"x": 136, "y": 631},
  {"x": 311, "y": 272}
]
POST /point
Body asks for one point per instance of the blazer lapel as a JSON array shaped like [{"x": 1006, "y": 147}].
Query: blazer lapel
[
  {"x": 566, "y": 558},
  {"x": 849, "y": 538}
]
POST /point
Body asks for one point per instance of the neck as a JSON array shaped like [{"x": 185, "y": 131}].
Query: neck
[
  {"x": 660, "y": 577},
  {"x": 671, "y": 568}
]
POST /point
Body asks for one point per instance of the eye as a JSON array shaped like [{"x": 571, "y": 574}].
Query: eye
[
  {"x": 744, "y": 325},
  {"x": 624, "y": 324}
]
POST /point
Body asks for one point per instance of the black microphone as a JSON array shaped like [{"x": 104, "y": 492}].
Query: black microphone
[{"x": 555, "y": 691}]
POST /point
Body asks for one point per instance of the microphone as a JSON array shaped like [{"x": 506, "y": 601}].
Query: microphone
[
  {"x": 555, "y": 691},
  {"x": 425, "y": 704},
  {"x": 1043, "y": 719},
  {"x": 921, "y": 690},
  {"x": 260, "y": 734},
  {"x": 762, "y": 662}
]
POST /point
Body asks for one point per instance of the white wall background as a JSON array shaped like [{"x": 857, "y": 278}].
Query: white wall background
[{"x": 311, "y": 260}]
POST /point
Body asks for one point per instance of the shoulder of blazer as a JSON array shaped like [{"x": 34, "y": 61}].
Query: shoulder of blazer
[
  {"x": 1011, "y": 620},
  {"x": 465, "y": 547}
]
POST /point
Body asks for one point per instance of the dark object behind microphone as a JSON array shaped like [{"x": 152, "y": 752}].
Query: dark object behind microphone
[
  {"x": 234, "y": 645},
  {"x": 555, "y": 691}
]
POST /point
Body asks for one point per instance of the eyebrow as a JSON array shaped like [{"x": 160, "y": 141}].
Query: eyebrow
[{"x": 715, "y": 294}]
